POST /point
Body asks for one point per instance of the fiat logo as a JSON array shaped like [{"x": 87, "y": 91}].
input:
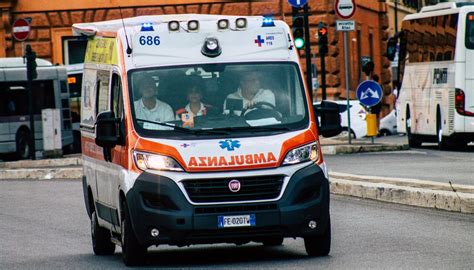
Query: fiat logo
[{"x": 234, "y": 185}]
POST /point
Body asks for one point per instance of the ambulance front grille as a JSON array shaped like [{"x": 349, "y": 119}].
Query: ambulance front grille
[{"x": 217, "y": 190}]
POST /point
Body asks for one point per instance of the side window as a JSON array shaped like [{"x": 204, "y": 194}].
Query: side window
[
  {"x": 102, "y": 86},
  {"x": 117, "y": 100},
  {"x": 88, "y": 97}
]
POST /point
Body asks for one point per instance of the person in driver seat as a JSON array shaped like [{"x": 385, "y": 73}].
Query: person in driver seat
[{"x": 251, "y": 93}]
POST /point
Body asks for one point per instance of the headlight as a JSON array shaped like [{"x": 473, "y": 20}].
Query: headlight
[
  {"x": 302, "y": 154},
  {"x": 146, "y": 161}
]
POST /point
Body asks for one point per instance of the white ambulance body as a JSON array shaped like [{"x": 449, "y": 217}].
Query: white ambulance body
[{"x": 240, "y": 169}]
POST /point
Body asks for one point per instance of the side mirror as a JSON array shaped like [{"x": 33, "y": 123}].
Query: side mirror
[
  {"x": 106, "y": 130},
  {"x": 329, "y": 124}
]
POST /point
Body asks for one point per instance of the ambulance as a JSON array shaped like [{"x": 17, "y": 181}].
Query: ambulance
[{"x": 198, "y": 129}]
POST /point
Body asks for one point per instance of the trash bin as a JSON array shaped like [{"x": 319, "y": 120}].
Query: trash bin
[{"x": 371, "y": 121}]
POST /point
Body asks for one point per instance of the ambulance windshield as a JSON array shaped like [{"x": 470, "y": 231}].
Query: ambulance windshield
[{"x": 218, "y": 99}]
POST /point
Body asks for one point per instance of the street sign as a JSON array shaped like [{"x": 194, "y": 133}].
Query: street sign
[
  {"x": 345, "y": 9},
  {"x": 345, "y": 25},
  {"x": 21, "y": 29},
  {"x": 297, "y": 3},
  {"x": 369, "y": 93}
]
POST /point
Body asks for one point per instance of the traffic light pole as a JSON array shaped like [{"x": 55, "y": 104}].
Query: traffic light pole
[
  {"x": 309, "y": 81},
  {"x": 30, "y": 67}
]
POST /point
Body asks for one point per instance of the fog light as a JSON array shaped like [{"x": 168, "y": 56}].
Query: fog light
[
  {"x": 155, "y": 232},
  {"x": 241, "y": 23},
  {"x": 193, "y": 25},
  {"x": 223, "y": 24},
  {"x": 312, "y": 224},
  {"x": 173, "y": 26}
]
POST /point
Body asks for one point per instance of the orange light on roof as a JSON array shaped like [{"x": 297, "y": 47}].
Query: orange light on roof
[{"x": 71, "y": 80}]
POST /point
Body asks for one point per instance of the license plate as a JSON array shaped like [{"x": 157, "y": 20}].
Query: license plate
[{"x": 236, "y": 221}]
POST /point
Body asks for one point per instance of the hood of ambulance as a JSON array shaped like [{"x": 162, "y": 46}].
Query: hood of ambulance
[{"x": 228, "y": 154}]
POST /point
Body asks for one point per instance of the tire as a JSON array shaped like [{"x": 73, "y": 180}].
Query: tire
[
  {"x": 384, "y": 132},
  {"x": 442, "y": 141},
  {"x": 273, "y": 242},
  {"x": 23, "y": 144},
  {"x": 413, "y": 141},
  {"x": 319, "y": 245},
  {"x": 101, "y": 243},
  {"x": 345, "y": 131},
  {"x": 133, "y": 253}
]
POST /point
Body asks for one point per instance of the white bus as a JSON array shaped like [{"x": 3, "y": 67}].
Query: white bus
[
  {"x": 436, "y": 97},
  {"x": 50, "y": 91}
]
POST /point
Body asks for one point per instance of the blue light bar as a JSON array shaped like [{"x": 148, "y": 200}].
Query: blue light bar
[
  {"x": 268, "y": 22},
  {"x": 147, "y": 27}
]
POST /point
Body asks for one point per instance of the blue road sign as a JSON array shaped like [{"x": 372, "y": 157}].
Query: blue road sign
[
  {"x": 369, "y": 93},
  {"x": 297, "y": 3}
]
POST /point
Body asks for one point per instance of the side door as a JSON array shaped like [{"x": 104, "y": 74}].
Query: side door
[{"x": 110, "y": 174}]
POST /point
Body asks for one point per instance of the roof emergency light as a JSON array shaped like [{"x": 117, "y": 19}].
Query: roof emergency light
[
  {"x": 147, "y": 27},
  {"x": 268, "y": 22},
  {"x": 173, "y": 26},
  {"x": 193, "y": 25},
  {"x": 211, "y": 47},
  {"x": 241, "y": 23},
  {"x": 223, "y": 24}
]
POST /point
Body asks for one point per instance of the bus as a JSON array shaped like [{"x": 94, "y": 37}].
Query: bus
[
  {"x": 74, "y": 80},
  {"x": 436, "y": 94},
  {"x": 50, "y": 91}
]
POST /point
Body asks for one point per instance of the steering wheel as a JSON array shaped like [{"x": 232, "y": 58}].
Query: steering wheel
[{"x": 262, "y": 109}]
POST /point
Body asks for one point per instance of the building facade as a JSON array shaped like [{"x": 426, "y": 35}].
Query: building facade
[{"x": 52, "y": 39}]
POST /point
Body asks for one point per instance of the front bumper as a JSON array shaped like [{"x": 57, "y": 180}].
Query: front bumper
[{"x": 156, "y": 201}]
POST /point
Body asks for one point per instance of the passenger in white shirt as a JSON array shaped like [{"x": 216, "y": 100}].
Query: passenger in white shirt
[
  {"x": 148, "y": 107},
  {"x": 195, "y": 106},
  {"x": 250, "y": 93}
]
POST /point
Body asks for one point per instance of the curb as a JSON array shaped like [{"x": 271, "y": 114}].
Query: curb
[
  {"x": 59, "y": 162},
  {"x": 41, "y": 174},
  {"x": 361, "y": 148},
  {"x": 420, "y": 193}
]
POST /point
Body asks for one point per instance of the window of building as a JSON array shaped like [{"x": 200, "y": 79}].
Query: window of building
[{"x": 74, "y": 50}]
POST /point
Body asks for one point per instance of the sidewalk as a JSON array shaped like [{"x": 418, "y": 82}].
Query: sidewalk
[
  {"x": 456, "y": 198},
  {"x": 340, "y": 144}
]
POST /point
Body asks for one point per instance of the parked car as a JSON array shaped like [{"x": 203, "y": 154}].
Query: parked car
[
  {"x": 358, "y": 115},
  {"x": 388, "y": 124}
]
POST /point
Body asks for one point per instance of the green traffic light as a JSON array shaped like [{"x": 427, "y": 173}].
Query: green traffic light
[{"x": 299, "y": 43}]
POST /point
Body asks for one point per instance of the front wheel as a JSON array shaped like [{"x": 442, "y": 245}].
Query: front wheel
[
  {"x": 23, "y": 144},
  {"x": 412, "y": 139},
  {"x": 101, "y": 243},
  {"x": 319, "y": 245},
  {"x": 133, "y": 253}
]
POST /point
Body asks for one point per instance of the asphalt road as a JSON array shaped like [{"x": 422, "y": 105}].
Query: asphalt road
[
  {"x": 44, "y": 225},
  {"x": 425, "y": 163}
]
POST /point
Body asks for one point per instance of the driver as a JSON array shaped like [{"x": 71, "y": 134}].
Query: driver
[
  {"x": 148, "y": 107},
  {"x": 251, "y": 93}
]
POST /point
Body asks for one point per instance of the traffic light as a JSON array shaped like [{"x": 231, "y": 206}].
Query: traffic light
[
  {"x": 368, "y": 68},
  {"x": 30, "y": 63},
  {"x": 391, "y": 48},
  {"x": 298, "y": 29},
  {"x": 323, "y": 40}
]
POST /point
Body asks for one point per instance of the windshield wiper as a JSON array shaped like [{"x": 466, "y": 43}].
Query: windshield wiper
[
  {"x": 253, "y": 128},
  {"x": 164, "y": 124},
  {"x": 186, "y": 130}
]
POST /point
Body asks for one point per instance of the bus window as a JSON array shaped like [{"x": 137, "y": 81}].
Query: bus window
[{"x": 470, "y": 31}]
